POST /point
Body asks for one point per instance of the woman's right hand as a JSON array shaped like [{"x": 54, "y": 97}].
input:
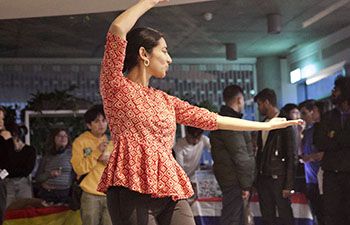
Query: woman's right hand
[
  {"x": 55, "y": 173},
  {"x": 125, "y": 21}
]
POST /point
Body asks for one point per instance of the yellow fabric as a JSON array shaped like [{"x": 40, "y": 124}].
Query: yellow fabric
[
  {"x": 84, "y": 160},
  {"x": 64, "y": 218}
]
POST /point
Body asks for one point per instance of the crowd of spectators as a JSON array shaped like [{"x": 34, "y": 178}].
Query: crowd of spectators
[{"x": 321, "y": 146}]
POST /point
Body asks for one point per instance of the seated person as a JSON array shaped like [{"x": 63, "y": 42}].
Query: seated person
[
  {"x": 20, "y": 163},
  {"x": 55, "y": 171},
  {"x": 188, "y": 150}
]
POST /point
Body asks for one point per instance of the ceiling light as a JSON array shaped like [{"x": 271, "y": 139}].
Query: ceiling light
[
  {"x": 231, "y": 51},
  {"x": 324, "y": 13},
  {"x": 208, "y": 16},
  {"x": 274, "y": 25}
]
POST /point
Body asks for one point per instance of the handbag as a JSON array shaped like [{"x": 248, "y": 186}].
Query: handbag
[{"x": 75, "y": 193}]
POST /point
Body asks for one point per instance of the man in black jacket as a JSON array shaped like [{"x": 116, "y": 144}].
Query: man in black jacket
[
  {"x": 276, "y": 161},
  {"x": 234, "y": 163},
  {"x": 333, "y": 137}
]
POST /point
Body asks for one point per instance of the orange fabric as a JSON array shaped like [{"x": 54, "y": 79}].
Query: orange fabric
[{"x": 142, "y": 121}]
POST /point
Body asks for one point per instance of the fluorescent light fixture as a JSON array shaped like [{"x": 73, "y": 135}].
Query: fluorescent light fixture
[
  {"x": 329, "y": 71},
  {"x": 324, "y": 13},
  {"x": 295, "y": 75},
  {"x": 308, "y": 71}
]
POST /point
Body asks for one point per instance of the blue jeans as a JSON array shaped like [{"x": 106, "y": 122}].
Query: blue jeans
[{"x": 55, "y": 196}]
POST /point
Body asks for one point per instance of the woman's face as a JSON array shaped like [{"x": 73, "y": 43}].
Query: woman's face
[
  {"x": 159, "y": 60},
  {"x": 294, "y": 114},
  {"x": 61, "y": 139}
]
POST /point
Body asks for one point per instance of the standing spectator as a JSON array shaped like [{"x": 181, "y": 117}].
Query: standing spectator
[
  {"x": 333, "y": 137},
  {"x": 276, "y": 160},
  {"x": 291, "y": 111},
  {"x": 234, "y": 163},
  {"x": 311, "y": 115},
  {"x": 55, "y": 171},
  {"x": 5, "y": 138},
  {"x": 188, "y": 150},
  {"x": 20, "y": 163},
  {"x": 90, "y": 154}
]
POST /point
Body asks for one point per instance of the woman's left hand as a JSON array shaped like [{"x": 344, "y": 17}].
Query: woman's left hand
[{"x": 278, "y": 123}]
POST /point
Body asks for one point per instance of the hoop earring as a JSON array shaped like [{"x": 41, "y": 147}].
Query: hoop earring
[{"x": 146, "y": 62}]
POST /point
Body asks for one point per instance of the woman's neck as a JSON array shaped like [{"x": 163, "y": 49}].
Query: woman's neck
[
  {"x": 139, "y": 75},
  {"x": 272, "y": 112}
]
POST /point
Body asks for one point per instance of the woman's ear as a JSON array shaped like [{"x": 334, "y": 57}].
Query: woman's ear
[{"x": 143, "y": 54}]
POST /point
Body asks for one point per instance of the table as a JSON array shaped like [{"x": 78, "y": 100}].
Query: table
[{"x": 207, "y": 211}]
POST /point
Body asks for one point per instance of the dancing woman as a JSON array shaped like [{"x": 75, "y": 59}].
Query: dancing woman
[{"x": 144, "y": 183}]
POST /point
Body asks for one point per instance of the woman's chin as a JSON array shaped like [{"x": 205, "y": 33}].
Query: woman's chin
[{"x": 160, "y": 76}]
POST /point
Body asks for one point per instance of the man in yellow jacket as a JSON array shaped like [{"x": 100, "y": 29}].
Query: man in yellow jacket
[{"x": 90, "y": 154}]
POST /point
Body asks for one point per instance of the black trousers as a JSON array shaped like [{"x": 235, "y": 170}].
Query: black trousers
[
  {"x": 2, "y": 201},
  {"x": 270, "y": 197},
  {"x": 232, "y": 206},
  {"x": 316, "y": 202},
  {"x": 336, "y": 188},
  {"x": 55, "y": 196},
  {"x": 128, "y": 207}
]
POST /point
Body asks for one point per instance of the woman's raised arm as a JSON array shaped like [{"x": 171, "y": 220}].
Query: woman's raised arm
[{"x": 125, "y": 21}]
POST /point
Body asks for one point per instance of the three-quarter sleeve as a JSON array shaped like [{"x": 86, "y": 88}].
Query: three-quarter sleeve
[
  {"x": 112, "y": 65},
  {"x": 114, "y": 55},
  {"x": 194, "y": 116}
]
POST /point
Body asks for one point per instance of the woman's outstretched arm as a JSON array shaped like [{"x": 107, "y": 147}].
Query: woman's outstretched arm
[
  {"x": 125, "y": 21},
  {"x": 229, "y": 123}
]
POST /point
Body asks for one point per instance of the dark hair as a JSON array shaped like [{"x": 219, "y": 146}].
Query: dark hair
[
  {"x": 194, "y": 132},
  {"x": 17, "y": 131},
  {"x": 51, "y": 140},
  {"x": 343, "y": 83},
  {"x": 3, "y": 110},
  {"x": 287, "y": 108},
  {"x": 139, "y": 37},
  {"x": 267, "y": 94},
  {"x": 321, "y": 105},
  {"x": 231, "y": 91},
  {"x": 308, "y": 104},
  {"x": 93, "y": 112}
]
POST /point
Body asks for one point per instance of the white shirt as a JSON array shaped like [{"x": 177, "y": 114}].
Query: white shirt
[
  {"x": 188, "y": 156},
  {"x": 264, "y": 135}
]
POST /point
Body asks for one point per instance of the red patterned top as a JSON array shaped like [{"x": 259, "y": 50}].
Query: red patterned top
[{"x": 143, "y": 121}]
